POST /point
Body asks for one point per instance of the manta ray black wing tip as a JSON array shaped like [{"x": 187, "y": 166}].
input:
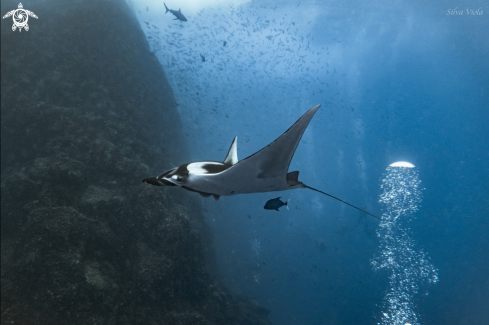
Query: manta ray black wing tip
[{"x": 334, "y": 197}]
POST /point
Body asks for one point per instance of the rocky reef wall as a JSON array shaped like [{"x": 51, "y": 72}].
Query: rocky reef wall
[{"x": 86, "y": 113}]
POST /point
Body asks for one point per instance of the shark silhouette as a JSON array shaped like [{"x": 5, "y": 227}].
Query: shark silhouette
[
  {"x": 264, "y": 171},
  {"x": 178, "y": 14}
]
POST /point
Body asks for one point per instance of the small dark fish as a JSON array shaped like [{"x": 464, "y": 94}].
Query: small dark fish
[
  {"x": 177, "y": 14},
  {"x": 202, "y": 57},
  {"x": 274, "y": 204},
  {"x": 224, "y": 43}
]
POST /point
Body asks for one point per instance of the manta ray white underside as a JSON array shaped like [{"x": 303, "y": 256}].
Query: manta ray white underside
[{"x": 264, "y": 171}]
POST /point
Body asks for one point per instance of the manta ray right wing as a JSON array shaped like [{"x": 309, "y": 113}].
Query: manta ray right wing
[{"x": 266, "y": 170}]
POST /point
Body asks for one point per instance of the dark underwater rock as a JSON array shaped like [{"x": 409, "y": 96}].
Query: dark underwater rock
[{"x": 87, "y": 113}]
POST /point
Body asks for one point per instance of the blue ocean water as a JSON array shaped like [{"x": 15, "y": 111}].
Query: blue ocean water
[{"x": 397, "y": 81}]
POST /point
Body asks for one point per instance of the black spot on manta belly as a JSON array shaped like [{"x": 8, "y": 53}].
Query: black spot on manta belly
[
  {"x": 214, "y": 168},
  {"x": 207, "y": 167}
]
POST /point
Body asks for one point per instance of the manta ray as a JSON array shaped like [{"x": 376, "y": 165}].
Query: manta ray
[{"x": 263, "y": 171}]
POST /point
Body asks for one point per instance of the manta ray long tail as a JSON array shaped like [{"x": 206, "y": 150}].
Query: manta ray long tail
[{"x": 334, "y": 197}]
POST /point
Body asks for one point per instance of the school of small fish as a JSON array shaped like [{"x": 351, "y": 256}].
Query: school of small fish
[{"x": 221, "y": 57}]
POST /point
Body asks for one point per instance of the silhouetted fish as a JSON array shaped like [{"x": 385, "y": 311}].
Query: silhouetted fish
[
  {"x": 274, "y": 204},
  {"x": 177, "y": 14}
]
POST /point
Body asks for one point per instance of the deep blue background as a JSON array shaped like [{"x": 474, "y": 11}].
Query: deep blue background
[{"x": 397, "y": 80}]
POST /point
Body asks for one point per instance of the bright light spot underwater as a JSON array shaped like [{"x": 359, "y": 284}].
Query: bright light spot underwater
[
  {"x": 402, "y": 164},
  {"x": 409, "y": 267}
]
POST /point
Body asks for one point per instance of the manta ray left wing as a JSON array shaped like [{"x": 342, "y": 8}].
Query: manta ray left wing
[{"x": 266, "y": 170}]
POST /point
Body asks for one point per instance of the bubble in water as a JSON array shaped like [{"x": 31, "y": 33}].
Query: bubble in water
[{"x": 408, "y": 267}]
